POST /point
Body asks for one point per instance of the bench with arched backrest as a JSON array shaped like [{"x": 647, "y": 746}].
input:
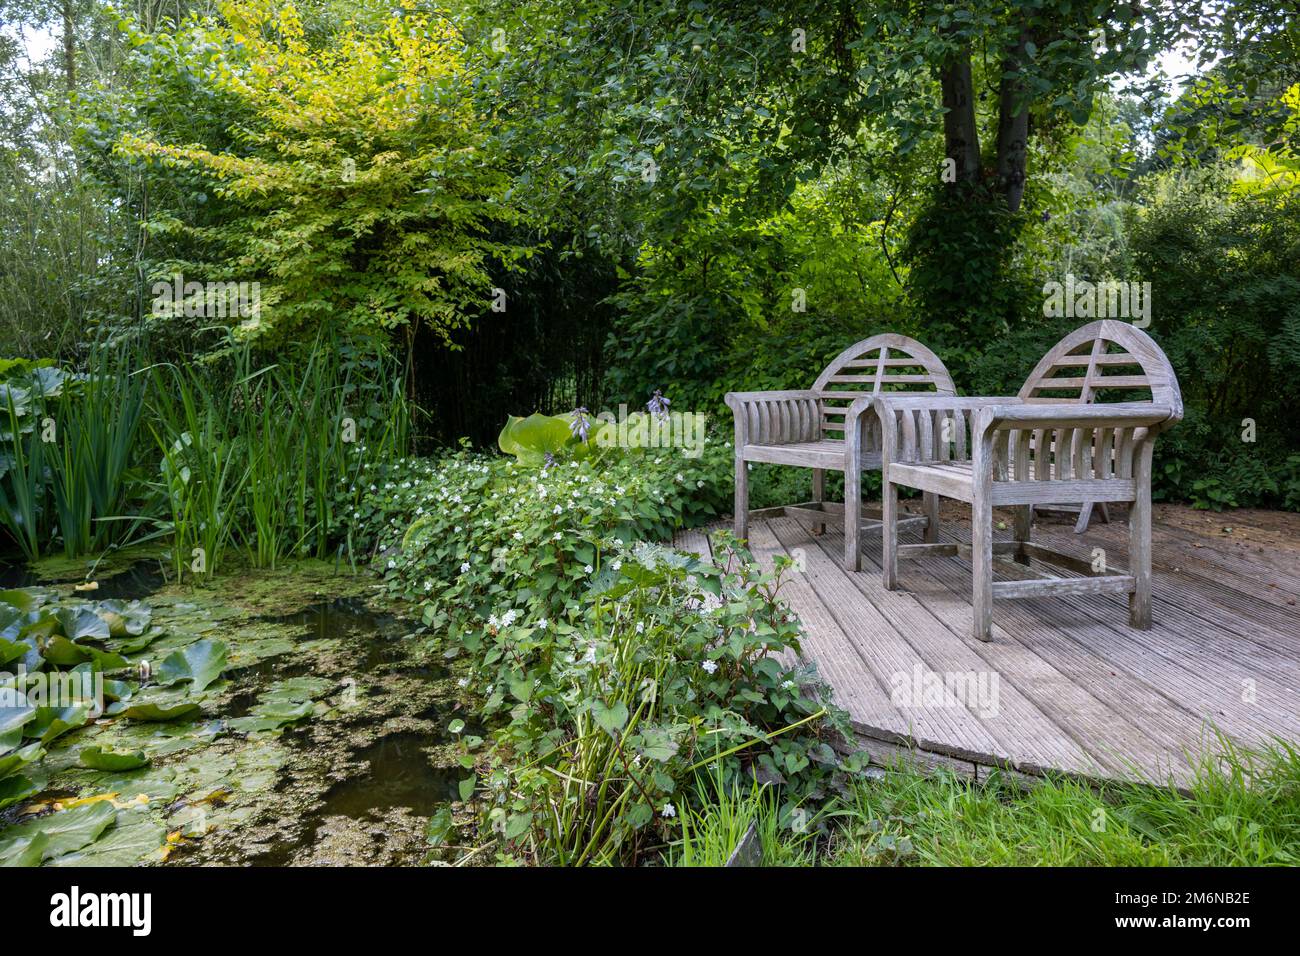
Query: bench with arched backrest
[
  {"x": 831, "y": 427},
  {"x": 1101, "y": 362},
  {"x": 1082, "y": 429}
]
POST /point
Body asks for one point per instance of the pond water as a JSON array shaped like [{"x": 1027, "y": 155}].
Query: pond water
[{"x": 352, "y": 784}]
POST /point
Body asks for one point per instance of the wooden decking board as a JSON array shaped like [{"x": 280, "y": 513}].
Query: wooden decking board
[
  {"x": 1177, "y": 548},
  {"x": 884, "y": 652},
  {"x": 1076, "y": 713},
  {"x": 1257, "y": 618},
  {"x": 857, "y": 689},
  {"x": 1070, "y": 647},
  {"x": 1027, "y": 733},
  {"x": 1184, "y": 657},
  {"x": 1090, "y": 695}
]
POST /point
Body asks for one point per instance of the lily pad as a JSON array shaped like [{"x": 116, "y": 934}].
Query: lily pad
[
  {"x": 201, "y": 663},
  {"x": 153, "y": 711},
  {"x": 15, "y": 710},
  {"x": 101, "y": 758},
  {"x": 134, "y": 839},
  {"x": 65, "y": 831},
  {"x": 82, "y": 623},
  {"x": 52, "y": 722},
  {"x": 16, "y": 789},
  {"x": 29, "y": 851}
]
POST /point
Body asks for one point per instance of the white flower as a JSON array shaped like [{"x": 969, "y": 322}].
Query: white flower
[
  {"x": 558, "y": 509},
  {"x": 669, "y": 810},
  {"x": 787, "y": 685},
  {"x": 464, "y": 566},
  {"x": 589, "y": 569},
  {"x": 508, "y": 618},
  {"x": 557, "y": 536},
  {"x": 709, "y": 666},
  {"x": 463, "y": 682},
  {"x": 518, "y": 536},
  {"x": 617, "y": 564},
  {"x": 640, "y": 627},
  {"x": 543, "y": 624}
]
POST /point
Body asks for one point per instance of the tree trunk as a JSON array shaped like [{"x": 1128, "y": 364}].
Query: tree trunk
[
  {"x": 961, "y": 135},
  {"x": 1013, "y": 127},
  {"x": 69, "y": 47}
]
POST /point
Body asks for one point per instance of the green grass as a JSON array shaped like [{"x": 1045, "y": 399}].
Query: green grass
[
  {"x": 711, "y": 834},
  {"x": 1243, "y": 809}
]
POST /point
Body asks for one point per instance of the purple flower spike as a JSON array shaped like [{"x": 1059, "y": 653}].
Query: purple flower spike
[
  {"x": 580, "y": 425},
  {"x": 658, "y": 405}
]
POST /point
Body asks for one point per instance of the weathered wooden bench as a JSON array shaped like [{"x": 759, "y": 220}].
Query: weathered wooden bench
[
  {"x": 1041, "y": 446},
  {"x": 832, "y": 427}
]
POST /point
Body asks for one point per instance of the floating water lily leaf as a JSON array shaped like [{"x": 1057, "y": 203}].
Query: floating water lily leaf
[
  {"x": 82, "y": 623},
  {"x": 11, "y": 650},
  {"x": 125, "y": 619},
  {"x": 65, "y": 831},
  {"x": 28, "y": 852},
  {"x": 18, "y": 599},
  {"x": 132, "y": 645},
  {"x": 201, "y": 663},
  {"x": 52, "y": 722},
  {"x": 14, "y": 761},
  {"x": 100, "y": 758},
  {"x": 146, "y": 710},
  {"x": 136, "y": 838},
  {"x": 16, "y": 789},
  {"x": 283, "y": 703},
  {"x": 61, "y": 652},
  {"x": 15, "y": 709}
]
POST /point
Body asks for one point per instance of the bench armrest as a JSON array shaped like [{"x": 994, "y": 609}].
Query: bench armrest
[{"x": 775, "y": 417}]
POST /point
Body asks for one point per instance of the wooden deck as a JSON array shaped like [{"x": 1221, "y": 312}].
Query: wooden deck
[{"x": 1065, "y": 684}]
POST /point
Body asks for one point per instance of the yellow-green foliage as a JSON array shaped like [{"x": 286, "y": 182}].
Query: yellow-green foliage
[{"x": 361, "y": 182}]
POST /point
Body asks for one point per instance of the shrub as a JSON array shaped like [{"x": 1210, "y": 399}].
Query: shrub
[{"x": 612, "y": 668}]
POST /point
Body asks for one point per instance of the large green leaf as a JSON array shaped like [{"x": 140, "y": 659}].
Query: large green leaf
[
  {"x": 200, "y": 663},
  {"x": 64, "y": 830},
  {"x": 160, "y": 711},
  {"x": 16, "y": 760},
  {"x": 18, "y": 599},
  {"x": 531, "y": 439},
  {"x": 61, "y": 652},
  {"x": 82, "y": 623},
  {"x": 125, "y": 619},
  {"x": 52, "y": 722},
  {"x": 15, "y": 709},
  {"x": 29, "y": 851},
  {"x": 102, "y": 758}
]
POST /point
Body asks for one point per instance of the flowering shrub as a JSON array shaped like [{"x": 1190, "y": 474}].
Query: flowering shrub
[{"x": 612, "y": 669}]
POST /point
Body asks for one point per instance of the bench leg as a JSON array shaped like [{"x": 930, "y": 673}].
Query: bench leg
[
  {"x": 931, "y": 503},
  {"x": 1024, "y": 529},
  {"x": 1139, "y": 541},
  {"x": 741, "y": 505},
  {"x": 852, "y": 518},
  {"x": 982, "y": 566},
  {"x": 888, "y": 533},
  {"x": 819, "y": 495}
]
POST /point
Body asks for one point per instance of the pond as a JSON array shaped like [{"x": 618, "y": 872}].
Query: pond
[{"x": 354, "y": 783}]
